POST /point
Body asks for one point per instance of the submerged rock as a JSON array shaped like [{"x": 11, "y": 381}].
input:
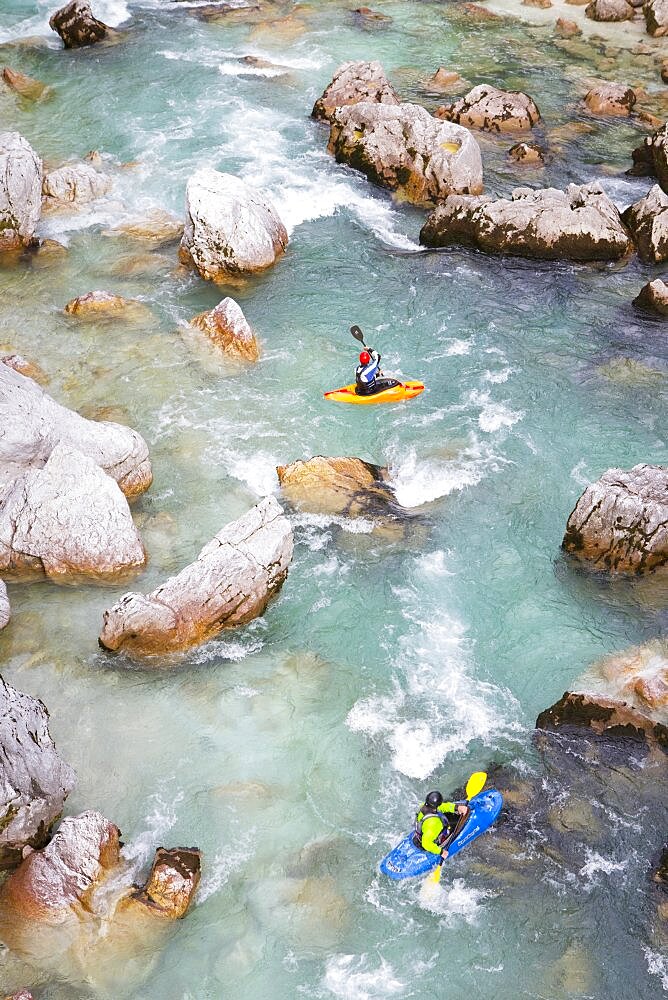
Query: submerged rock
[
  {"x": 371, "y": 20},
  {"x": 355, "y": 83},
  {"x": 21, "y": 995},
  {"x": 339, "y": 486},
  {"x": 648, "y": 221},
  {"x": 100, "y": 304},
  {"x": 528, "y": 153},
  {"x": 611, "y": 99},
  {"x": 444, "y": 81},
  {"x": 494, "y": 110},
  {"x": 620, "y": 523},
  {"x": 580, "y": 223},
  {"x": 609, "y": 10},
  {"x": 406, "y": 149},
  {"x": 653, "y": 297},
  {"x": 575, "y": 714},
  {"x": 638, "y": 675},
  {"x": 228, "y": 330},
  {"x": 230, "y": 229},
  {"x": 32, "y": 424},
  {"x": 565, "y": 28},
  {"x": 650, "y": 159},
  {"x": 156, "y": 228},
  {"x": 25, "y": 86},
  {"x": 20, "y": 191},
  {"x": 34, "y": 779},
  {"x": 25, "y": 367},
  {"x": 5, "y": 610},
  {"x": 230, "y": 583},
  {"x": 69, "y": 907},
  {"x": 656, "y": 17},
  {"x": 77, "y": 26},
  {"x": 67, "y": 521},
  {"x": 73, "y": 185}
]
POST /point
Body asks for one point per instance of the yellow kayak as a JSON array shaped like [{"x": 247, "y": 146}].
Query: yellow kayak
[{"x": 397, "y": 394}]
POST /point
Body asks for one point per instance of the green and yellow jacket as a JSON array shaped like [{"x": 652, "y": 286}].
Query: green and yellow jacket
[{"x": 431, "y": 831}]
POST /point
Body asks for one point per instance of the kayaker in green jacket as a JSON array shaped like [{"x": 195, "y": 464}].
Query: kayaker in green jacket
[{"x": 435, "y": 821}]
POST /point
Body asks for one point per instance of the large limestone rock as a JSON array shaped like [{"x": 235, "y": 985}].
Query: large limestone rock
[
  {"x": 648, "y": 221},
  {"x": 583, "y": 714},
  {"x": 230, "y": 583},
  {"x": 77, "y": 26},
  {"x": 230, "y": 229},
  {"x": 67, "y": 521},
  {"x": 34, "y": 780},
  {"x": 580, "y": 223},
  {"x": 610, "y": 99},
  {"x": 228, "y": 330},
  {"x": 493, "y": 110},
  {"x": 609, "y": 10},
  {"x": 354, "y": 83},
  {"x": 650, "y": 159},
  {"x": 653, "y": 297},
  {"x": 620, "y": 523},
  {"x": 339, "y": 486},
  {"x": 406, "y": 149},
  {"x": 74, "y": 185},
  {"x": 5, "y": 610},
  {"x": 32, "y": 424},
  {"x": 20, "y": 191},
  {"x": 71, "y": 907},
  {"x": 656, "y": 17}
]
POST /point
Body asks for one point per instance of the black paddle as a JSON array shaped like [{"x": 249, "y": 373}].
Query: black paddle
[{"x": 358, "y": 335}]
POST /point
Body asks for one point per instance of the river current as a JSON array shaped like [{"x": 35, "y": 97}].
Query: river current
[{"x": 293, "y": 752}]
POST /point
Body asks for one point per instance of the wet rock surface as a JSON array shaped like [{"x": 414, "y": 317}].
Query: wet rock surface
[
  {"x": 653, "y": 297},
  {"x": 67, "y": 521},
  {"x": 171, "y": 884},
  {"x": 155, "y": 228},
  {"x": 493, "y": 110},
  {"x": 34, "y": 780},
  {"x": 77, "y": 26},
  {"x": 20, "y": 191},
  {"x": 5, "y": 610},
  {"x": 609, "y": 10},
  {"x": 341, "y": 486},
  {"x": 74, "y": 185},
  {"x": 637, "y": 676},
  {"x": 407, "y": 150},
  {"x": 528, "y": 153},
  {"x": 25, "y": 86},
  {"x": 230, "y": 229},
  {"x": 606, "y": 717},
  {"x": 580, "y": 223},
  {"x": 354, "y": 83},
  {"x": 612, "y": 99},
  {"x": 620, "y": 523},
  {"x": 228, "y": 330},
  {"x": 648, "y": 221},
  {"x": 650, "y": 159},
  {"x": 230, "y": 583},
  {"x": 99, "y": 303},
  {"x": 32, "y": 424},
  {"x": 656, "y": 17}
]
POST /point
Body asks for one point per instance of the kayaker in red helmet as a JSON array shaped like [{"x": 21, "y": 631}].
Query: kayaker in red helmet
[{"x": 367, "y": 380}]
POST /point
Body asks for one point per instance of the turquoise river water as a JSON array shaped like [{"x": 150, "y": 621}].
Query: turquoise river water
[{"x": 294, "y": 751}]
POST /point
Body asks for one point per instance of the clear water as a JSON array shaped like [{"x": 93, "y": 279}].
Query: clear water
[{"x": 293, "y": 751}]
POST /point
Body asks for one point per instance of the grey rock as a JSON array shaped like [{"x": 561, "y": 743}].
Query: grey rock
[
  {"x": 656, "y": 17},
  {"x": 34, "y": 780},
  {"x": 73, "y": 185},
  {"x": 614, "y": 99},
  {"x": 77, "y": 26},
  {"x": 650, "y": 159},
  {"x": 5, "y": 610},
  {"x": 580, "y": 223},
  {"x": 230, "y": 583},
  {"x": 653, "y": 297},
  {"x": 355, "y": 83},
  {"x": 620, "y": 523},
  {"x": 20, "y": 190},
  {"x": 67, "y": 521},
  {"x": 493, "y": 110},
  {"x": 609, "y": 10},
  {"x": 648, "y": 221},
  {"x": 404, "y": 148},
  {"x": 230, "y": 229},
  {"x": 32, "y": 424}
]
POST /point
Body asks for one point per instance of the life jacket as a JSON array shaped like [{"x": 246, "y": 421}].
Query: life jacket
[{"x": 426, "y": 813}]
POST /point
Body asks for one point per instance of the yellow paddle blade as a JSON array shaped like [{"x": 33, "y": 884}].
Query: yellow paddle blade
[
  {"x": 435, "y": 876},
  {"x": 475, "y": 784}
]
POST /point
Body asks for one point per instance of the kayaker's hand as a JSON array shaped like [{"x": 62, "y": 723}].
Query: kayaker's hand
[
  {"x": 444, "y": 854},
  {"x": 462, "y": 809}
]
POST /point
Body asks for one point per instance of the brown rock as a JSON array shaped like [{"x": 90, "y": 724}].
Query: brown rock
[
  {"x": 620, "y": 523},
  {"x": 653, "y": 297},
  {"x": 355, "y": 82},
  {"x": 156, "y": 228},
  {"x": 25, "y": 86},
  {"x": 99, "y": 304},
  {"x": 664, "y": 70},
  {"x": 609, "y": 10},
  {"x": 494, "y": 110},
  {"x": 576, "y": 714},
  {"x": 443, "y": 81},
  {"x": 640, "y": 676},
  {"x": 28, "y": 368},
  {"x": 477, "y": 13},
  {"x": 650, "y": 159},
  {"x": 566, "y": 29},
  {"x": 339, "y": 486},
  {"x": 21, "y": 995},
  {"x": 369, "y": 19},
  {"x": 647, "y": 118},
  {"x": 172, "y": 884},
  {"x": 543, "y": 4},
  {"x": 528, "y": 153},
  {"x": 612, "y": 99},
  {"x": 228, "y": 330},
  {"x": 76, "y": 25}
]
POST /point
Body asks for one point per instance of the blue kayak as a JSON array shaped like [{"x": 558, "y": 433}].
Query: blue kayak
[{"x": 406, "y": 860}]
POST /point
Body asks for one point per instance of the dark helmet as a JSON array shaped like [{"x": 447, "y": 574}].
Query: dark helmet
[
  {"x": 365, "y": 358},
  {"x": 434, "y": 800}
]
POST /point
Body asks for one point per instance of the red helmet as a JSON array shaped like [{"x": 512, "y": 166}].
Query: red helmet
[{"x": 365, "y": 358}]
